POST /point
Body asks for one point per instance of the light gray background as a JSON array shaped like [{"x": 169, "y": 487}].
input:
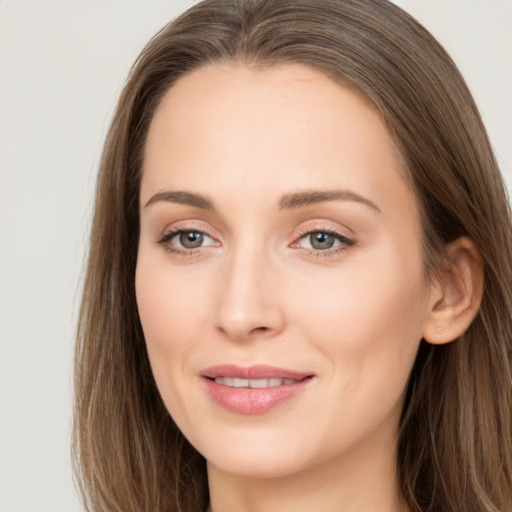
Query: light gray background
[{"x": 62, "y": 66}]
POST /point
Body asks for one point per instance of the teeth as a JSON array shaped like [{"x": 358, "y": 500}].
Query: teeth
[
  {"x": 240, "y": 383},
  {"x": 253, "y": 383},
  {"x": 265, "y": 383}
]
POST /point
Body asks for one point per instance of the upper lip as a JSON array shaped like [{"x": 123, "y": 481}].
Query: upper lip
[{"x": 252, "y": 372}]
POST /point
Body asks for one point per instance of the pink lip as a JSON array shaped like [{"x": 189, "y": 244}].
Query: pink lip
[
  {"x": 252, "y": 372},
  {"x": 253, "y": 401}
]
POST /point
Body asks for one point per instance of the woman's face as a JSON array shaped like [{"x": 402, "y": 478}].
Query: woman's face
[{"x": 279, "y": 278}]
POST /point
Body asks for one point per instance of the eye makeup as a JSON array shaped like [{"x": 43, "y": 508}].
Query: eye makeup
[
  {"x": 323, "y": 242},
  {"x": 318, "y": 240}
]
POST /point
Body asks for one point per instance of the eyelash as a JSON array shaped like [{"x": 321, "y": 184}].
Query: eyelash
[
  {"x": 345, "y": 242},
  {"x": 170, "y": 234}
]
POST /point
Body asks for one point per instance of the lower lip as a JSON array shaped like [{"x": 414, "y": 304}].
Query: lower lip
[{"x": 253, "y": 401}]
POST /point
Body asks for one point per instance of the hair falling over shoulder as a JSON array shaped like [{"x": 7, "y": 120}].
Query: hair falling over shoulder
[{"x": 455, "y": 444}]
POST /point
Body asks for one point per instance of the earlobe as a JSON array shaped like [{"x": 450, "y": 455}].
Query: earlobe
[{"x": 457, "y": 294}]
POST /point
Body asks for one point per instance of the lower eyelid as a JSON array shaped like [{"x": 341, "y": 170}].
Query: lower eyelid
[{"x": 331, "y": 253}]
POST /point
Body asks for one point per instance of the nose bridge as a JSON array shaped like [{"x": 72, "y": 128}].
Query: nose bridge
[{"x": 248, "y": 299}]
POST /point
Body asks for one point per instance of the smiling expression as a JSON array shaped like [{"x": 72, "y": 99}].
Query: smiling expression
[{"x": 280, "y": 281}]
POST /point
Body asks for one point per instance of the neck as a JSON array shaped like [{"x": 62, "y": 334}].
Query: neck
[{"x": 364, "y": 480}]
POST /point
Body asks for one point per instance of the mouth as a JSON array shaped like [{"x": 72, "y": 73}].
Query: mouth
[
  {"x": 255, "y": 389},
  {"x": 254, "y": 383},
  {"x": 259, "y": 372}
]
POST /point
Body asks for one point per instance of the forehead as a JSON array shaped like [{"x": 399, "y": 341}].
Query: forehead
[
  {"x": 283, "y": 127},
  {"x": 227, "y": 95}
]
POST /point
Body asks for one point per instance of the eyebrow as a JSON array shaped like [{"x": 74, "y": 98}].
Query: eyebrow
[
  {"x": 287, "y": 202},
  {"x": 307, "y": 198},
  {"x": 182, "y": 197}
]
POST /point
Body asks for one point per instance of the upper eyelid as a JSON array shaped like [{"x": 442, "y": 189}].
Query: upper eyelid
[
  {"x": 170, "y": 233},
  {"x": 314, "y": 227},
  {"x": 300, "y": 233},
  {"x": 187, "y": 226},
  {"x": 344, "y": 232},
  {"x": 343, "y": 239}
]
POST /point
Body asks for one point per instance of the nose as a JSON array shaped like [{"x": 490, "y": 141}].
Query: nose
[{"x": 249, "y": 302}]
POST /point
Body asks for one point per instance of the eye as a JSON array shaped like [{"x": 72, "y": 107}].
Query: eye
[
  {"x": 180, "y": 240},
  {"x": 189, "y": 239},
  {"x": 323, "y": 240}
]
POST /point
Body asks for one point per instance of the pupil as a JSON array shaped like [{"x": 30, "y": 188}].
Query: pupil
[
  {"x": 191, "y": 239},
  {"x": 321, "y": 240}
]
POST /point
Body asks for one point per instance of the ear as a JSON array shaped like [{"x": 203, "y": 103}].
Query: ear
[{"x": 457, "y": 294}]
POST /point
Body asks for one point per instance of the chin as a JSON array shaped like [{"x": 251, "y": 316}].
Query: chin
[
  {"x": 264, "y": 454},
  {"x": 260, "y": 465}
]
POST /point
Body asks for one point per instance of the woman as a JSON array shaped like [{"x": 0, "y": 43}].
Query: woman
[{"x": 299, "y": 287}]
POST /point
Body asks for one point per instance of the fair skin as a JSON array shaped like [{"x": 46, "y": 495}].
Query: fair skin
[{"x": 330, "y": 285}]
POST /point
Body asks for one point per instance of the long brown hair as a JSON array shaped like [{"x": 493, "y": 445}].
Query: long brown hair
[{"x": 455, "y": 445}]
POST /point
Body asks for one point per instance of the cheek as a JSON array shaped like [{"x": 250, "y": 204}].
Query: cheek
[
  {"x": 172, "y": 312},
  {"x": 170, "y": 306},
  {"x": 367, "y": 318}
]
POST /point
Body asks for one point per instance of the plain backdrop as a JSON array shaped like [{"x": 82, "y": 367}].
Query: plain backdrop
[{"x": 62, "y": 66}]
